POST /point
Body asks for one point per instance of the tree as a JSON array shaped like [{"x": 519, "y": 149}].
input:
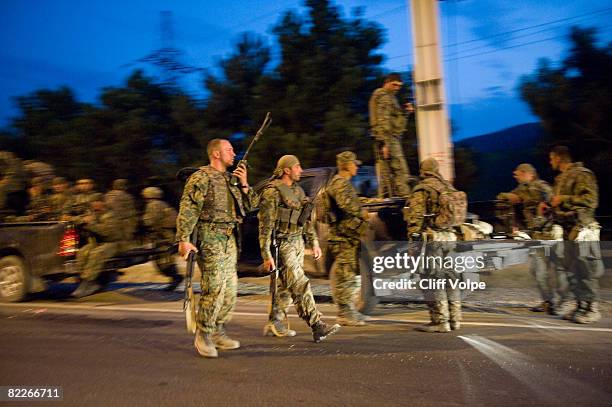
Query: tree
[{"x": 574, "y": 102}]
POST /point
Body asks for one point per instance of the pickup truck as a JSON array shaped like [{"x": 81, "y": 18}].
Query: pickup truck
[{"x": 30, "y": 252}]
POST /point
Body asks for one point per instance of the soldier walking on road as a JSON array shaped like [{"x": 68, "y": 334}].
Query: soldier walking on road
[
  {"x": 430, "y": 219},
  {"x": 348, "y": 221},
  {"x": 530, "y": 193},
  {"x": 214, "y": 208},
  {"x": 388, "y": 124},
  {"x": 575, "y": 198},
  {"x": 281, "y": 213},
  {"x": 160, "y": 220}
]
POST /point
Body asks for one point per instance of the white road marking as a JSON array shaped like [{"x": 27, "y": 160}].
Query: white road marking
[{"x": 529, "y": 323}]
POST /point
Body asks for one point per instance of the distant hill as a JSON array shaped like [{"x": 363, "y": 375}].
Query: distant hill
[{"x": 497, "y": 154}]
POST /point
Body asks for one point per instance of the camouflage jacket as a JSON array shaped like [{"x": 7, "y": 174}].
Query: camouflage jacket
[
  {"x": 209, "y": 197},
  {"x": 154, "y": 218},
  {"x": 106, "y": 227},
  {"x": 61, "y": 204},
  {"x": 531, "y": 194},
  {"x": 424, "y": 201},
  {"x": 39, "y": 208},
  {"x": 122, "y": 205},
  {"x": 387, "y": 119},
  {"x": 579, "y": 193},
  {"x": 271, "y": 206},
  {"x": 82, "y": 202},
  {"x": 345, "y": 203}
]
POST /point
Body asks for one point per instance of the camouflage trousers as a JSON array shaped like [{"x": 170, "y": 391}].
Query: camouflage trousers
[
  {"x": 444, "y": 304},
  {"x": 394, "y": 171},
  {"x": 344, "y": 272},
  {"x": 293, "y": 285},
  {"x": 583, "y": 262},
  {"x": 549, "y": 273},
  {"x": 165, "y": 261},
  {"x": 217, "y": 259},
  {"x": 91, "y": 258}
]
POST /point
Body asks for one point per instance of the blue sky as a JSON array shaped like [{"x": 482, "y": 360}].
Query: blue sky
[{"x": 487, "y": 45}]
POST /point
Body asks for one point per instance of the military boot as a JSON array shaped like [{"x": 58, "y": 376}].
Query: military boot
[
  {"x": 224, "y": 342},
  {"x": 563, "y": 307},
  {"x": 571, "y": 314},
  {"x": 347, "y": 316},
  {"x": 278, "y": 329},
  {"x": 204, "y": 344},
  {"x": 545, "y": 306},
  {"x": 591, "y": 314},
  {"x": 435, "y": 327},
  {"x": 455, "y": 315},
  {"x": 320, "y": 331},
  {"x": 86, "y": 288}
]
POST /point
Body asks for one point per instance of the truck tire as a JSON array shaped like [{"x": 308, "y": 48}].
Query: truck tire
[{"x": 14, "y": 279}]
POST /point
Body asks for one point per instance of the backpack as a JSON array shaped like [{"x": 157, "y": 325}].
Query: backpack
[{"x": 452, "y": 204}]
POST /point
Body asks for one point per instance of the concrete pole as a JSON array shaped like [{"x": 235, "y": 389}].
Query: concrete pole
[{"x": 433, "y": 130}]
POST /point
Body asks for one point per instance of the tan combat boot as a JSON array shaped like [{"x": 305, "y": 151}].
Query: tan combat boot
[
  {"x": 278, "y": 329},
  {"x": 590, "y": 315},
  {"x": 224, "y": 342},
  {"x": 204, "y": 344}
]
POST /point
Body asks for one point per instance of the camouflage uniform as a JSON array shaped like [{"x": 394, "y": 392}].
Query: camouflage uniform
[
  {"x": 531, "y": 195},
  {"x": 579, "y": 193},
  {"x": 280, "y": 207},
  {"x": 214, "y": 208},
  {"x": 13, "y": 195},
  {"x": 160, "y": 221},
  {"x": 122, "y": 204},
  {"x": 344, "y": 238},
  {"x": 444, "y": 304},
  {"x": 388, "y": 123},
  {"x": 61, "y": 202},
  {"x": 107, "y": 240}
]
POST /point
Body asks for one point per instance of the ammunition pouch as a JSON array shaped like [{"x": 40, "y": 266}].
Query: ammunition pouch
[{"x": 306, "y": 213}]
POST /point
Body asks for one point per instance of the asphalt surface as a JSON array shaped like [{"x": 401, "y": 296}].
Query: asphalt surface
[{"x": 113, "y": 350}]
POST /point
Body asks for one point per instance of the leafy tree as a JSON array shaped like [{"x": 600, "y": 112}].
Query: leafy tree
[{"x": 574, "y": 102}]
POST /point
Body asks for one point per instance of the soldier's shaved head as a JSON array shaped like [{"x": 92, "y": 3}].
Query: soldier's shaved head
[{"x": 214, "y": 145}]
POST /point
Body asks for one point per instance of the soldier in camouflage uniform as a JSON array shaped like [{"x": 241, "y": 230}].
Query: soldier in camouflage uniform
[
  {"x": 160, "y": 220},
  {"x": 282, "y": 205},
  {"x": 13, "y": 183},
  {"x": 388, "y": 124},
  {"x": 124, "y": 207},
  {"x": 530, "y": 192},
  {"x": 444, "y": 304},
  {"x": 83, "y": 197},
  {"x": 348, "y": 222},
  {"x": 107, "y": 238},
  {"x": 62, "y": 199},
  {"x": 39, "y": 208},
  {"x": 575, "y": 198},
  {"x": 214, "y": 207}
]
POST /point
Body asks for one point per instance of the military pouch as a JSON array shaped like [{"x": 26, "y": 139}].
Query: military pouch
[{"x": 305, "y": 214}]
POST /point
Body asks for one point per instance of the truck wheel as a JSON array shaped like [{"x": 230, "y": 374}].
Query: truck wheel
[{"x": 14, "y": 279}]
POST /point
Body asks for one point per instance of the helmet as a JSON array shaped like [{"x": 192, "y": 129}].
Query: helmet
[{"x": 152, "y": 193}]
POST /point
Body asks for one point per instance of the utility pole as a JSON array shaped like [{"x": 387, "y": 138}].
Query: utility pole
[{"x": 433, "y": 130}]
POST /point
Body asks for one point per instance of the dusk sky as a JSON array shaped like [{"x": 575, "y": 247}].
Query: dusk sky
[{"x": 88, "y": 45}]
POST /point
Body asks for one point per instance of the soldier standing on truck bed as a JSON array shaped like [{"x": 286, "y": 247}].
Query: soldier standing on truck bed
[{"x": 388, "y": 124}]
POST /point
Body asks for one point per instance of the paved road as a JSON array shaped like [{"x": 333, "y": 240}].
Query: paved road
[{"x": 138, "y": 353}]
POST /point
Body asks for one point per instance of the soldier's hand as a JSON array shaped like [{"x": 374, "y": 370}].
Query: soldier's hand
[
  {"x": 268, "y": 265},
  {"x": 542, "y": 208},
  {"x": 409, "y": 107},
  {"x": 317, "y": 253},
  {"x": 241, "y": 173},
  {"x": 184, "y": 248},
  {"x": 385, "y": 151},
  {"x": 556, "y": 201},
  {"x": 513, "y": 198}
]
